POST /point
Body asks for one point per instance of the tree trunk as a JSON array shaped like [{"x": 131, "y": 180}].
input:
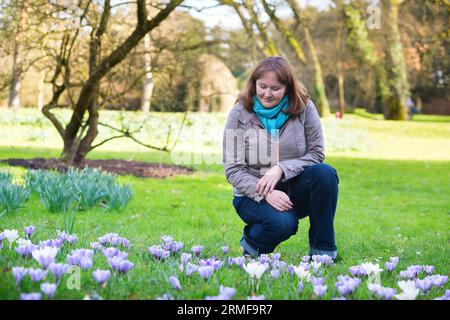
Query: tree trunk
[
  {"x": 396, "y": 67},
  {"x": 147, "y": 89},
  {"x": 319, "y": 87},
  {"x": 18, "y": 57}
]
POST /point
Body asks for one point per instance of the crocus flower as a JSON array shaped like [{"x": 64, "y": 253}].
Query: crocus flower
[
  {"x": 55, "y": 243},
  {"x": 58, "y": 269},
  {"x": 197, "y": 250},
  {"x": 300, "y": 286},
  {"x": 96, "y": 246},
  {"x": 65, "y": 237},
  {"x": 176, "y": 246},
  {"x": 225, "y": 293},
  {"x": 390, "y": 266},
  {"x": 45, "y": 256},
  {"x": 166, "y": 238},
  {"x": 48, "y": 289},
  {"x": 122, "y": 266},
  {"x": 19, "y": 273},
  {"x": 264, "y": 259},
  {"x": 261, "y": 297},
  {"x": 165, "y": 296},
  {"x": 86, "y": 263},
  {"x": 11, "y": 235},
  {"x": 438, "y": 280},
  {"x": 29, "y": 231},
  {"x": 157, "y": 252},
  {"x": 101, "y": 276},
  {"x": 319, "y": 290},
  {"x": 306, "y": 258},
  {"x": 205, "y": 271},
  {"x": 175, "y": 282},
  {"x": 185, "y": 257},
  {"x": 190, "y": 268},
  {"x": 31, "y": 296},
  {"x": 239, "y": 261},
  {"x": 371, "y": 268},
  {"x": 409, "y": 290},
  {"x": 302, "y": 273},
  {"x": 324, "y": 259},
  {"x": 424, "y": 284},
  {"x": 317, "y": 281},
  {"x": 255, "y": 269},
  {"x": 347, "y": 285},
  {"x": 36, "y": 274},
  {"x": 428, "y": 269},
  {"x": 25, "y": 249},
  {"x": 275, "y": 273},
  {"x": 446, "y": 296},
  {"x": 225, "y": 249}
]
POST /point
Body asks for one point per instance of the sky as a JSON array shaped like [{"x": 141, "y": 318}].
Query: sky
[{"x": 226, "y": 17}]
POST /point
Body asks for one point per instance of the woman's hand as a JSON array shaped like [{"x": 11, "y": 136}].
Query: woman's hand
[
  {"x": 279, "y": 200},
  {"x": 267, "y": 183}
]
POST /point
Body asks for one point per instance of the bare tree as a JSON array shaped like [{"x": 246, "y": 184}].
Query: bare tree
[{"x": 78, "y": 135}]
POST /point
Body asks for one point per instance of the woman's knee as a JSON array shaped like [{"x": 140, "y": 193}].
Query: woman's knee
[
  {"x": 323, "y": 173},
  {"x": 284, "y": 227}
]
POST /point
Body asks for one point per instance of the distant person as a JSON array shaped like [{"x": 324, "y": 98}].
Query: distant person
[
  {"x": 411, "y": 108},
  {"x": 273, "y": 151}
]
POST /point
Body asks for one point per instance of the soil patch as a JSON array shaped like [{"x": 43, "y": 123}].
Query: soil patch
[{"x": 123, "y": 167}]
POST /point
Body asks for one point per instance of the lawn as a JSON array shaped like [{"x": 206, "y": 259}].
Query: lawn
[{"x": 393, "y": 202}]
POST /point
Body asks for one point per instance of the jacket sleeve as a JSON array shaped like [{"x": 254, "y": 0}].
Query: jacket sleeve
[
  {"x": 314, "y": 146},
  {"x": 233, "y": 155}
]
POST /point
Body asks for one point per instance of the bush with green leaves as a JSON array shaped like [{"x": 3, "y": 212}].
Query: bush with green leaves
[
  {"x": 12, "y": 197},
  {"x": 77, "y": 189}
]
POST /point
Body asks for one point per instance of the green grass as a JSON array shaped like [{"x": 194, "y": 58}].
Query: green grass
[{"x": 387, "y": 207}]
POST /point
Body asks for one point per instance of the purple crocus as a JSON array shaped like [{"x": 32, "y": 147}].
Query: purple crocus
[
  {"x": 101, "y": 276},
  {"x": 175, "y": 282},
  {"x": 390, "y": 266},
  {"x": 48, "y": 289},
  {"x": 158, "y": 252},
  {"x": 19, "y": 273},
  {"x": 438, "y": 280},
  {"x": 45, "y": 256},
  {"x": 306, "y": 258},
  {"x": 347, "y": 285},
  {"x": 122, "y": 266},
  {"x": 25, "y": 249},
  {"x": 383, "y": 293},
  {"x": 225, "y": 293},
  {"x": 58, "y": 269},
  {"x": 36, "y": 274},
  {"x": 446, "y": 296},
  {"x": 31, "y": 296},
  {"x": 225, "y": 249},
  {"x": 197, "y": 250},
  {"x": 319, "y": 290},
  {"x": 324, "y": 259},
  {"x": 275, "y": 273},
  {"x": 86, "y": 263},
  {"x": 300, "y": 286},
  {"x": 185, "y": 257},
  {"x": 317, "y": 281},
  {"x": 428, "y": 269},
  {"x": 190, "y": 268},
  {"x": 424, "y": 284},
  {"x": 205, "y": 271},
  {"x": 69, "y": 238},
  {"x": 29, "y": 231}
]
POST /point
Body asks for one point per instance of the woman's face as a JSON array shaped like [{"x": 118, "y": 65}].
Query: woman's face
[{"x": 269, "y": 90}]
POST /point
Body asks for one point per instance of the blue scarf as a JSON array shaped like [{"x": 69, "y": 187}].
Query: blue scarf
[{"x": 271, "y": 118}]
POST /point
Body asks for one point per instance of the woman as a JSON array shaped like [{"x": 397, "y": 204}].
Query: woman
[{"x": 273, "y": 152}]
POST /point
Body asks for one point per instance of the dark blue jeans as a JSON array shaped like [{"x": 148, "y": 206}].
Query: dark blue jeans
[{"x": 314, "y": 193}]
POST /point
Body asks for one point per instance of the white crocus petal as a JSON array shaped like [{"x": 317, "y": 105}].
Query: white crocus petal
[
  {"x": 371, "y": 268},
  {"x": 410, "y": 291},
  {"x": 255, "y": 269},
  {"x": 11, "y": 235},
  {"x": 302, "y": 273}
]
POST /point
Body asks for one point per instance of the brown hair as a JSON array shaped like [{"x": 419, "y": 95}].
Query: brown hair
[{"x": 296, "y": 91}]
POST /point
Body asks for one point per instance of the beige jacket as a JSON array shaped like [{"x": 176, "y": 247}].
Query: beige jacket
[{"x": 249, "y": 150}]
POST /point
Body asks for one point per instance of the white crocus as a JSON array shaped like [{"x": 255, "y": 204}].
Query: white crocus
[
  {"x": 410, "y": 291},
  {"x": 371, "y": 268},
  {"x": 11, "y": 235},
  {"x": 255, "y": 269},
  {"x": 45, "y": 256},
  {"x": 302, "y": 273}
]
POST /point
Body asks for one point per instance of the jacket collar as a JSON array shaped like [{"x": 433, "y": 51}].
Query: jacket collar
[{"x": 251, "y": 116}]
